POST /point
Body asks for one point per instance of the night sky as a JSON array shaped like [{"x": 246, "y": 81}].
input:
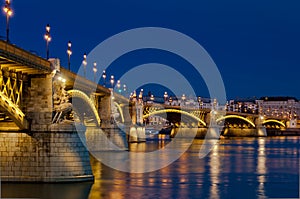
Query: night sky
[{"x": 254, "y": 43}]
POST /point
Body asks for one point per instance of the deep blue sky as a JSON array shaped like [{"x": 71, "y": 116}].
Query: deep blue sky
[{"x": 255, "y": 43}]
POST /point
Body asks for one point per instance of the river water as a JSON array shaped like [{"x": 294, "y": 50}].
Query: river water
[{"x": 235, "y": 168}]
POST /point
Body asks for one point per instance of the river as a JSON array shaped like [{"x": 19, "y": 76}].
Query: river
[{"x": 265, "y": 167}]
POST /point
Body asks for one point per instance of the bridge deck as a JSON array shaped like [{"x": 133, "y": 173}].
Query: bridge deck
[
  {"x": 19, "y": 60},
  {"x": 74, "y": 80}
]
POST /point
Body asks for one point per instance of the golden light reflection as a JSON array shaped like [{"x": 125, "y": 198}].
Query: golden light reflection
[
  {"x": 140, "y": 157},
  {"x": 261, "y": 168},
  {"x": 214, "y": 172}
]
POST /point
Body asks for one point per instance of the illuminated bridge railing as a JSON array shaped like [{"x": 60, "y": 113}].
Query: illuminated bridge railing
[{"x": 19, "y": 55}]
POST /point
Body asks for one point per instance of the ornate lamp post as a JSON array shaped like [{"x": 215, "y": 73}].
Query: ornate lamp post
[
  {"x": 200, "y": 102},
  {"x": 95, "y": 71},
  {"x": 84, "y": 62},
  {"x": 104, "y": 78},
  {"x": 48, "y": 38},
  {"x": 152, "y": 98},
  {"x": 112, "y": 81},
  {"x": 8, "y": 11},
  {"x": 183, "y": 98},
  {"x": 166, "y": 96},
  {"x": 69, "y": 52},
  {"x": 119, "y": 86}
]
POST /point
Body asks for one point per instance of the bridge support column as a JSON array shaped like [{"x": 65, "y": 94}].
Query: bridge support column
[
  {"x": 104, "y": 111},
  {"x": 137, "y": 131},
  {"x": 214, "y": 130},
  {"x": 39, "y": 103},
  {"x": 44, "y": 157},
  {"x": 261, "y": 130}
]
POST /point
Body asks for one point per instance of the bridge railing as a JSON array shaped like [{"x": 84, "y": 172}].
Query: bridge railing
[{"x": 23, "y": 55}]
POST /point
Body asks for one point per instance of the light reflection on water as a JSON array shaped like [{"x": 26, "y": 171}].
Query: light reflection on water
[{"x": 235, "y": 168}]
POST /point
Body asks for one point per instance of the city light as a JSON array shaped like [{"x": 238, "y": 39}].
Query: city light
[
  {"x": 8, "y": 12},
  {"x": 104, "y": 78},
  {"x": 119, "y": 86},
  {"x": 152, "y": 97},
  {"x": 69, "y": 52},
  {"x": 48, "y": 38},
  {"x": 95, "y": 71},
  {"x": 165, "y": 96},
  {"x": 112, "y": 81},
  {"x": 84, "y": 62}
]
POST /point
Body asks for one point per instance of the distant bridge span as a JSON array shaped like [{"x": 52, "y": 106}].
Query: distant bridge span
[
  {"x": 237, "y": 117},
  {"x": 175, "y": 111}
]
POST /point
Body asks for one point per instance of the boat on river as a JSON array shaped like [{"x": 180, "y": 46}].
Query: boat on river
[{"x": 153, "y": 133}]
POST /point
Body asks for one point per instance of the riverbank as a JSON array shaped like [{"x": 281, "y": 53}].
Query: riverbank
[{"x": 284, "y": 132}]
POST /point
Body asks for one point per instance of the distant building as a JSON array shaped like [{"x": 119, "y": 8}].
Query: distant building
[
  {"x": 282, "y": 107},
  {"x": 285, "y": 107}
]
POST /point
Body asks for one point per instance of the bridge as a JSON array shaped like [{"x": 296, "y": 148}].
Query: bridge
[
  {"x": 40, "y": 101},
  {"x": 38, "y": 139},
  {"x": 178, "y": 114},
  {"x": 35, "y": 93},
  {"x": 33, "y": 89}
]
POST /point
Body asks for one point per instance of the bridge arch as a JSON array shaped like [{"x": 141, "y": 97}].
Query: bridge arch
[
  {"x": 237, "y": 117},
  {"x": 90, "y": 103},
  {"x": 120, "y": 111},
  {"x": 175, "y": 111},
  {"x": 13, "y": 111},
  {"x": 275, "y": 121}
]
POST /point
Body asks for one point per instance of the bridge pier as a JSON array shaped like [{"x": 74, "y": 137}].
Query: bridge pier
[
  {"x": 261, "y": 131},
  {"x": 46, "y": 152},
  {"x": 39, "y": 103},
  {"x": 137, "y": 132},
  {"x": 104, "y": 111},
  {"x": 44, "y": 157}
]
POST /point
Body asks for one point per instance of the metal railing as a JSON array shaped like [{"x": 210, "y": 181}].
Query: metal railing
[{"x": 23, "y": 56}]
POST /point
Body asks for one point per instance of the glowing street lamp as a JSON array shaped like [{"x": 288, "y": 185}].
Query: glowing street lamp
[
  {"x": 84, "y": 62},
  {"x": 104, "y": 77},
  {"x": 152, "y": 98},
  {"x": 48, "y": 38},
  {"x": 183, "y": 98},
  {"x": 95, "y": 71},
  {"x": 69, "y": 52},
  {"x": 8, "y": 11},
  {"x": 112, "y": 81},
  {"x": 124, "y": 87},
  {"x": 141, "y": 95},
  {"x": 119, "y": 86},
  {"x": 166, "y": 96}
]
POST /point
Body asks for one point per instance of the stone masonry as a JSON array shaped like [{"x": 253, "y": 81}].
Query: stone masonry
[
  {"x": 39, "y": 105},
  {"x": 44, "y": 157}
]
